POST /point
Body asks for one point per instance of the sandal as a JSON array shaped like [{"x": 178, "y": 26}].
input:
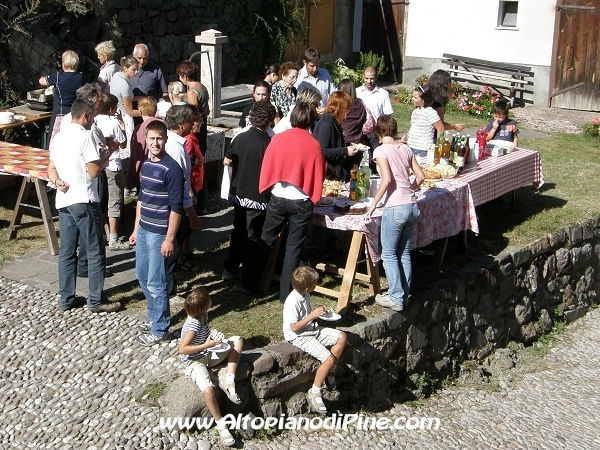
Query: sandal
[
  {"x": 316, "y": 403},
  {"x": 119, "y": 246},
  {"x": 226, "y": 438},
  {"x": 228, "y": 388}
]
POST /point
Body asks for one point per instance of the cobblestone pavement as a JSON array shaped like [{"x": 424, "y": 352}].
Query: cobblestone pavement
[
  {"x": 70, "y": 380},
  {"x": 554, "y": 406}
]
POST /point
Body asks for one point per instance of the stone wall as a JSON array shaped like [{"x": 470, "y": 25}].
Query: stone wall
[
  {"x": 168, "y": 27},
  {"x": 515, "y": 297}
]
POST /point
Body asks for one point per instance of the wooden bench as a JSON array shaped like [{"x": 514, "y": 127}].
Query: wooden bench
[{"x": 510, "y": 80}]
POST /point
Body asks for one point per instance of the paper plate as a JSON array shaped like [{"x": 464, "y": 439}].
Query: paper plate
[
  {"x": 330, "y": 317},
  {"x": 222, "y": 347}
]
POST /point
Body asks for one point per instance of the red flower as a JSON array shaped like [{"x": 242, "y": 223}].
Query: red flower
[{"x": 595, "y": 120}]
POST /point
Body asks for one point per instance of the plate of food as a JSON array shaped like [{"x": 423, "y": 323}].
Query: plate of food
[
  {"x": 432, "y": 175},
  {"x": 331, "y": 188},
  {"x": 325, "y": 201},
  {"x": 222, "y": 347},
  {"x": 330, "y": 316},
  {"x": 446, "y": 170},
  {"x": 428, "y": 185}
]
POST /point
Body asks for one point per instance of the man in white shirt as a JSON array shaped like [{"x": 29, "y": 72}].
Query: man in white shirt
[
  {"x": 180, "y": 119},
  {"x": 377, "y": 101},
  {"x": 74, "y": 166},
  {"x": 374, "y": 97},
  {"x": 313, "y": 76}
]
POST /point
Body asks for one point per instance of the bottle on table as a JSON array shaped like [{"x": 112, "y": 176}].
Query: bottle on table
[
  {"x": 437, "y": 154},
  {"x": 353, "y": 174},
  {"x": 460, "y": 156},
  {"x": 364, "y": 167},
  {"x": 446, "y": 151},
  {"x": 468, "y": 150},
  {"x": 482, "y": 142},
  {"x": 454, "y": 150}
]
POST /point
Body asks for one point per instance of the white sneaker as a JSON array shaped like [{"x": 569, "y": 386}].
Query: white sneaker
[{"x": 386, "y": 302}]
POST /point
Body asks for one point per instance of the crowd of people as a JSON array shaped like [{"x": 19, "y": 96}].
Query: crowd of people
[{"x": 299, "y": 130}]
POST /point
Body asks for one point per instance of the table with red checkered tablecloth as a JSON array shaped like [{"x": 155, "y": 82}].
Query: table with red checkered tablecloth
[
  {"x": 495, "y": 176},
  {"x": 445, "y": 211},
  {"x": 32, "y": 164}
]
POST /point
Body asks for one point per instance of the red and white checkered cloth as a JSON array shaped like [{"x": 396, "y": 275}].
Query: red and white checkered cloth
[
  {"x": 24, "y": 160},
  {"x": 445, "y": 211},
  {"x": 493, "y": 177}
]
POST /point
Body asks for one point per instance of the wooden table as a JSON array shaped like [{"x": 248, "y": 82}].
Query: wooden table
[
  {"x": 445, "y": 211},
  {"x": 32, "y": 164},
  {"x": 30, "y": 116},
  {"x": 27, "y": 119},
  {"x": 492, "y": 177}
]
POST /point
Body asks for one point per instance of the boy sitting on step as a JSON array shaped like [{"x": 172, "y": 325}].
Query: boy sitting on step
[
  {"x": 201, "y": 349},
  {"x": 300, "y": 329}
]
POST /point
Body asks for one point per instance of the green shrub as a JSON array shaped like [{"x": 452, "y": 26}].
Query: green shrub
[
  {"x": 475, "y": 102},
  {"x": 404, "y": 95},
  {"x": 592, "y": 128},
  {"x": 467, "y": 100},
  {"x": 339, "y": 71},
  {"x": 371, "y": 60}
]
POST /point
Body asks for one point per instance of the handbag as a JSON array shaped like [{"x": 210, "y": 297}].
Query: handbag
[{"x": 370, "y": 123}]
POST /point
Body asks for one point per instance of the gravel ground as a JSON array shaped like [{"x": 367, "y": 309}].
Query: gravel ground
[
  {"x": 552, "y": 120},
  {"x": 70, "y": 380}
]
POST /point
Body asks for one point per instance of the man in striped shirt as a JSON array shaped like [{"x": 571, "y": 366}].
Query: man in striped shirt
[{"x": 158, "y": 213}]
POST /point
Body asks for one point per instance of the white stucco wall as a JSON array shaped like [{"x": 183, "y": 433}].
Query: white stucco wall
[{"x": 469, "y": 28}]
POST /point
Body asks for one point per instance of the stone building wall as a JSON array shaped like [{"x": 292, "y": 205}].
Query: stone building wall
[
  {"x": 515, "y": 297},
  {"x": 168, "y": 27}
]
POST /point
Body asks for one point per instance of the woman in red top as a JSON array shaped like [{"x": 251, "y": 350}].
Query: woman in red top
[{"x": 294, "y": 169}]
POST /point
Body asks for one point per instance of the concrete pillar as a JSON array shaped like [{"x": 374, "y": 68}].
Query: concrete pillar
[{"x": 211, "y": 70}]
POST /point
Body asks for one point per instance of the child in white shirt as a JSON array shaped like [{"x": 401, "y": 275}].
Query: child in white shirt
[
  {"x": 300, "y": 328},
  {"x": 113, "y": 129}
]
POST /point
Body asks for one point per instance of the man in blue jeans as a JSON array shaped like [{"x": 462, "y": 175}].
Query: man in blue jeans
[
  {"x": 158, "y": 214},
  {"x": 75, "y": 163}
]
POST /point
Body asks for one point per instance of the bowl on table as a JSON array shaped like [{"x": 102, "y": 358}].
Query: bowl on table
[
  {"x": 508, "y": 145},
  {"x": 7, "y": 117}
]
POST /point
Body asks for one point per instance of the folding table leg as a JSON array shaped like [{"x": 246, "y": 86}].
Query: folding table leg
[
  {"x": 49, "y": 229},
  {"x": 19, "y": 208},
  {"x": 350, "y": 272},
  {"x": 373, "y": 272},
  {"x": 512, "y": 200},
  {"x": 440, "y": 250}
]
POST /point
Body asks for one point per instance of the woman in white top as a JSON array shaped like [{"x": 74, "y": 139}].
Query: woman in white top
[
  {"x": 120, "y": 86},
  {"x": 106, "y": 52}
]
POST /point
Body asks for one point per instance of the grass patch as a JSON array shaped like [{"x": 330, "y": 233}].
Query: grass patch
[
  {"x": 570, "y": 163},
  {"x": 28, "y": 239},
  {"x": 151, "y": 394}
]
